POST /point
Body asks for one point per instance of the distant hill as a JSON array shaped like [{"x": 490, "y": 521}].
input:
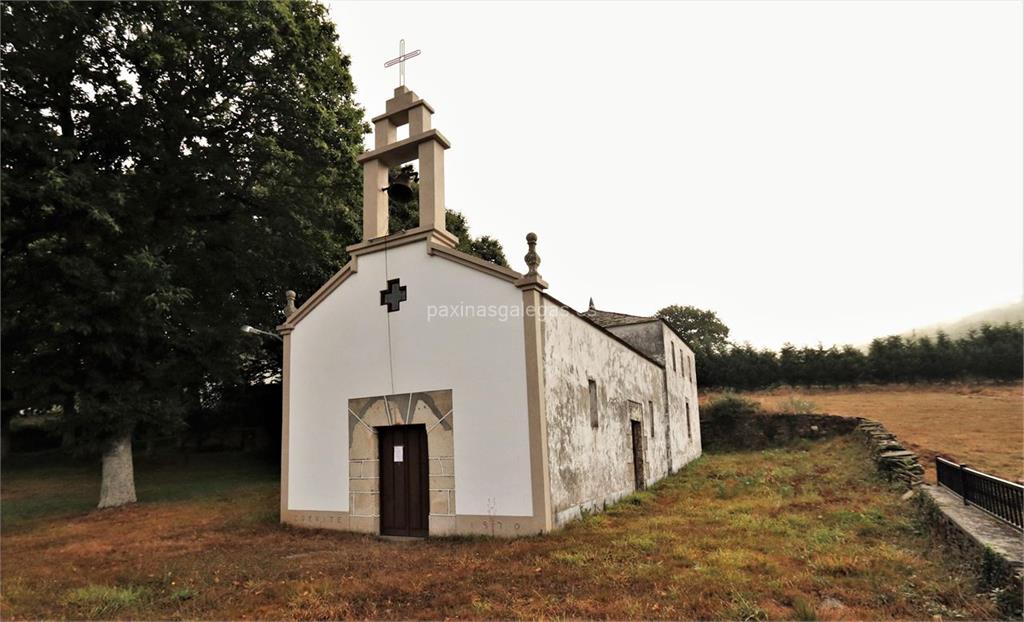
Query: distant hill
[{"x": 958, "y": 328}]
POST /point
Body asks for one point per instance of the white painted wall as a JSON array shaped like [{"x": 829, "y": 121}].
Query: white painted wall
[{"x": 340, "y": 351}]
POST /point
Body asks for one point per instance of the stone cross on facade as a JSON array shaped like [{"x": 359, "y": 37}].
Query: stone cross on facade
[
  {"x": 394, "y": 295},
  {"x": 400, "y": 61}
]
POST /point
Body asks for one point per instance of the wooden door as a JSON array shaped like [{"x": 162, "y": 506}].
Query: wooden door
[
  {"x": 404, "y": 500},
  {"x": 638, "y": 454}
]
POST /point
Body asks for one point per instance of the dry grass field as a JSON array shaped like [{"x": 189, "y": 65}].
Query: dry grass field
[
  {"x": 807, "y": 532},
  {"x": 982, "y": 425}
]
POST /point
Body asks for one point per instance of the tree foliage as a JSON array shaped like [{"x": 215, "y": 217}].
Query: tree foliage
[
  {"x": 404, "y": 216},
  {"x": 702, "y": 330},
  {"x": 988, "y": 352},
  {"x": 169, "y": 169}
]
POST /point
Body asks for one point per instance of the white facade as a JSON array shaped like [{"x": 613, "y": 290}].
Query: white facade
[{"x": 349, "y": 347}]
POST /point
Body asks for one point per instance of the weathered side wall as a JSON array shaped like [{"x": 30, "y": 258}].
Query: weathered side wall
[
  {"x": 591, "y": 467},
  {"x": 680, "y": 415},
  {"x": 644, "y": 336},
  {"x": 682, "y": 412},
  {"x": 760, "y": 431}
]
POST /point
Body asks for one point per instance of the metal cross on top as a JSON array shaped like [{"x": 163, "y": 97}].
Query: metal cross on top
[
  {"x": 394, "y": 295},
  {"x": 400, "y": 61}
]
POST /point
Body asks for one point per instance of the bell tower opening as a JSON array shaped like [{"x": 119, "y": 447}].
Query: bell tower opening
[{"x": 424, "y": 145}]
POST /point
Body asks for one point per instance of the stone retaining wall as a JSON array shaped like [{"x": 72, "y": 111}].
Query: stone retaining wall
[
  {"x": 969, "y": 535},
  {"x": 998, "y": 569},
  {"x": 764, "y": 431},
  {"x": 761, "y": 431},
  {"x": 897, "y": 463},
  {"x": 991, "y": 550}
]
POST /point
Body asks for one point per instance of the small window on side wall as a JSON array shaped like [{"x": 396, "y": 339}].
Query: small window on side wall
[
  {"x": 689, "y": 429},
  {"x": 673, "y": 346},
  {"x": 592, "y": 390},
  {"x": 650, "y": 409}
]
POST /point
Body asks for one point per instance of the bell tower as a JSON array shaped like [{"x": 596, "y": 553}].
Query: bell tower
[{"x": 424, "y": 144}]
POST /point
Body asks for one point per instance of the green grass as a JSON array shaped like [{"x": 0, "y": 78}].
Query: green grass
[
  {"x": 572, "y": 558},
  {"x": 803, "y": 533},
  {"x": 803, "y": 610},
  {"x": 35, "y": 493},
  {"x": 744, "y": 607},
  {"x": 98, "y": 601}
]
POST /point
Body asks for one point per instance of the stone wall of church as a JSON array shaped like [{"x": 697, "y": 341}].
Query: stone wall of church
[
  {"x": 592, "y": 466},
  {"x": 682, "y": 412},
  {"x": 644, "y": 336}
]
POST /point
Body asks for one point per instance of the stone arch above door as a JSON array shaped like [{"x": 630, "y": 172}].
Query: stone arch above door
[{"x": 434, "y": 409}]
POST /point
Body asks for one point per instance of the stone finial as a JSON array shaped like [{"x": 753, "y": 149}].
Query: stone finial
[
  {"x": 289, "y": 307},
  {"x": 592, "y": 304},
  {"x": 532, "y": 258},
  {"x": 532, "y": 280}
]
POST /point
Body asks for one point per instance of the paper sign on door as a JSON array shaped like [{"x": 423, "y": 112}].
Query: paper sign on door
[{"x": 399, "y": 453}]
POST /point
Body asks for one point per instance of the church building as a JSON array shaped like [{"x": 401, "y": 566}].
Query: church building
[{"x": 428, "y": 392}]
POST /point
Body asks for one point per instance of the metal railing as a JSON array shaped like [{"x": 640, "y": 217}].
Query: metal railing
[{"x": 998, "y": 497}]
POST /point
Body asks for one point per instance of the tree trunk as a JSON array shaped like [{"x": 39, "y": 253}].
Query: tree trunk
[
  {"x": 5, "y": 437},
  {"x": 118, "y": 483},
  {"x": 6, "y": 416}
]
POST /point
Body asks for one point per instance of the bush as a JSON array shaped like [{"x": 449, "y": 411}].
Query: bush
[
  {"x": 729, "y": 404},
  {"x": 796, "y": 406}
]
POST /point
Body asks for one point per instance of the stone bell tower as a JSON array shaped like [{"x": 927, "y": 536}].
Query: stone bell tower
[{"x": 424, "y": 144}]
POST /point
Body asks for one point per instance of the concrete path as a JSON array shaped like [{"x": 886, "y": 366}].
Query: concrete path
[{"x": 984, "y": 528}]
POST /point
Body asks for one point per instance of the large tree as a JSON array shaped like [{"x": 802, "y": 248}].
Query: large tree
[
  {"x": 168, "y": 170},
  {"x": 701, "y": 329}
]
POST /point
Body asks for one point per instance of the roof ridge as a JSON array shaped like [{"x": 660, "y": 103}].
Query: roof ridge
[{"x": 613, "y": 318}]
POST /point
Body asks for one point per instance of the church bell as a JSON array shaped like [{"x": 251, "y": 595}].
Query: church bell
[{"x": 400, "y": 190}]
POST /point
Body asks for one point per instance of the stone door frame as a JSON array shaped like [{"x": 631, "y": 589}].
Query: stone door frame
[{"x": 431, "y": 408}]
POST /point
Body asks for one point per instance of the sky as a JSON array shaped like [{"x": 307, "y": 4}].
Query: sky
[{"x": 814, "y": 172}]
